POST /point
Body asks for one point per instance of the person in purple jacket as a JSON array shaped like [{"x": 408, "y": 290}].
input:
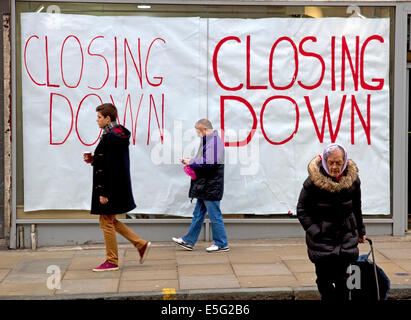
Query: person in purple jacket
[{"x": 207, "y": 188}]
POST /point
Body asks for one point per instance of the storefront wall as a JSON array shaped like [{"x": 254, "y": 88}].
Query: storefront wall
[
  {"x": 4, "y": 99},
  {"x": 74, "y": 227}
]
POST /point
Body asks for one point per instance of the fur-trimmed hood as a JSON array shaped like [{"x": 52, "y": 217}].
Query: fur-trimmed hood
[{"x": 327, "y": 183}]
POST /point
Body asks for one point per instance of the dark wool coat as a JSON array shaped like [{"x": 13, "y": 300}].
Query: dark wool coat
[
  {"x": 209, "y": 168},
  {"x": 111, "y": 173},
  {"x": 330, "y": 213}
]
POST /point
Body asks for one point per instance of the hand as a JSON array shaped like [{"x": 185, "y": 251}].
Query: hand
[
  {"x": 362, "y": 239},
  {"x": 88, "y": 158},
  {"x": 103, "y": 200},
  {"x": 185, "y": 161}
]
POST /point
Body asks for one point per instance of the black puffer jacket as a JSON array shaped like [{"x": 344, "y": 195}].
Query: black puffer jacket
[
  {"x": 330, "y": 213},
  {"x": 111, "y": 173},
  {"x": 209, "y": 168}
]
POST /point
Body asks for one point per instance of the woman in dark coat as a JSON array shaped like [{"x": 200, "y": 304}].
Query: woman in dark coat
[
  {"x": 112, "y": 193},
  {"x": 329, "y": 209}
]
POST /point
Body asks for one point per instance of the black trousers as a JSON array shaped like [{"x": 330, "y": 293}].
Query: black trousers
[{"x": 332, "y": 278}]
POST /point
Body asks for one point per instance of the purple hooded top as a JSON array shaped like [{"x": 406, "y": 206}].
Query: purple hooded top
[{"x": 211, "y": 151}]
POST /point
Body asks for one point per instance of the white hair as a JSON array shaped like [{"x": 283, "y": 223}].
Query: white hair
[
  {"x": 329, "y": 150},
  {"x": 333, "y": 149}
]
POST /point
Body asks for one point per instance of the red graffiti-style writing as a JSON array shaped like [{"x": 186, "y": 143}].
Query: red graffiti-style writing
[
  {"x": 127, "y": 112},
  {"x": 297, "y": 117},
  {"x": 326, "y": 115},
  {"x": 355, "y": 60},
  {"x": 51, "y": 118},
  {"x": 352, "y": 69},
  {"x": 133, "y": 55},
  {"x": 366, "y": 124},
  {"x": 254, "y": 126},
  {"x": 105, "y": 60},
  {"x": 344, "y": 66}
]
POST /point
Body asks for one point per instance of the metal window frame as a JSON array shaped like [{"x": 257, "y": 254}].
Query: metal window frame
[
  {"x": 13, "y": 203},
  {"x": 400, "y": 109},
  {"x": 400, "y": 128}
]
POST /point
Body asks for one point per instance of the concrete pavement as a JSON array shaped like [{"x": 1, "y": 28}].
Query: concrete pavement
[{"x": 252, "y": 269}]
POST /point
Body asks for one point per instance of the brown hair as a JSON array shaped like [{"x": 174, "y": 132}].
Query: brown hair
[{"x": 108, "y": 109}]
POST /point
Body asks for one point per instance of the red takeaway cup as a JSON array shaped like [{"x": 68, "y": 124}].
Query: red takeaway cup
[{"x": 87, "y": 156}]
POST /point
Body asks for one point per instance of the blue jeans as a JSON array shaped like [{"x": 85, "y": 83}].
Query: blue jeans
[{"x": 217, "y": 223}]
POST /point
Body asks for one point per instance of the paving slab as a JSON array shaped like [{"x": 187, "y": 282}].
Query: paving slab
[
  {"x": 4, "y": 273},
  {"x": 159, "y": 274},
  {"x": 296, "y": 266},
  {"x": 267, "y": 281},
  {"x": 204, "y": 269},
  {"x": 208, "y": 258},
  {"x": 10, "y": 261},
  {"x": 403, "y": 263},
  {"x": 393, "y": 253},
  {"x": 88, "y": 286},
  {"x": 306, "y": 278},
  {"x": 208, "y": 282},
  {"x": 49, "y": 255},
  {"x": 390, "y": 267},
  {"x": 297, "y": 252},
  {"x": 260, "y": 256},
  {"x": 390, "y": 244},
  {"x": 261, "y": 269},
  {"x": 31, "y": 271}
]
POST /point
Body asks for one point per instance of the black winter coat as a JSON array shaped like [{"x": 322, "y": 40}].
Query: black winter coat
[
  {"x": 111, "y": 173},
  {"x": 209, "y": 168},
  {"x": 330, "y": 213}
]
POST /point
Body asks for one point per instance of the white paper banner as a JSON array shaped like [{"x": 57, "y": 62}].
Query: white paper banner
[{"x": 278, "y": 89}]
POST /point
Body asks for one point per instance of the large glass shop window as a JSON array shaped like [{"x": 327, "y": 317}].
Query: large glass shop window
[{"x": 277, "y": 82}]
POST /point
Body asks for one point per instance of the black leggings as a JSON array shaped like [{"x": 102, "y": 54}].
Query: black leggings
[{"x": 332, "y": 278}]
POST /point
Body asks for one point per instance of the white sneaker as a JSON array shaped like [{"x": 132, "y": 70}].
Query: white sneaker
[
  {"x": 180, "y": 242},
  {"x": 215, "y": 248}
]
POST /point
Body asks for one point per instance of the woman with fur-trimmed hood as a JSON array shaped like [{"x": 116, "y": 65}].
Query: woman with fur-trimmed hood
[{"x": 329, "y": 209}]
